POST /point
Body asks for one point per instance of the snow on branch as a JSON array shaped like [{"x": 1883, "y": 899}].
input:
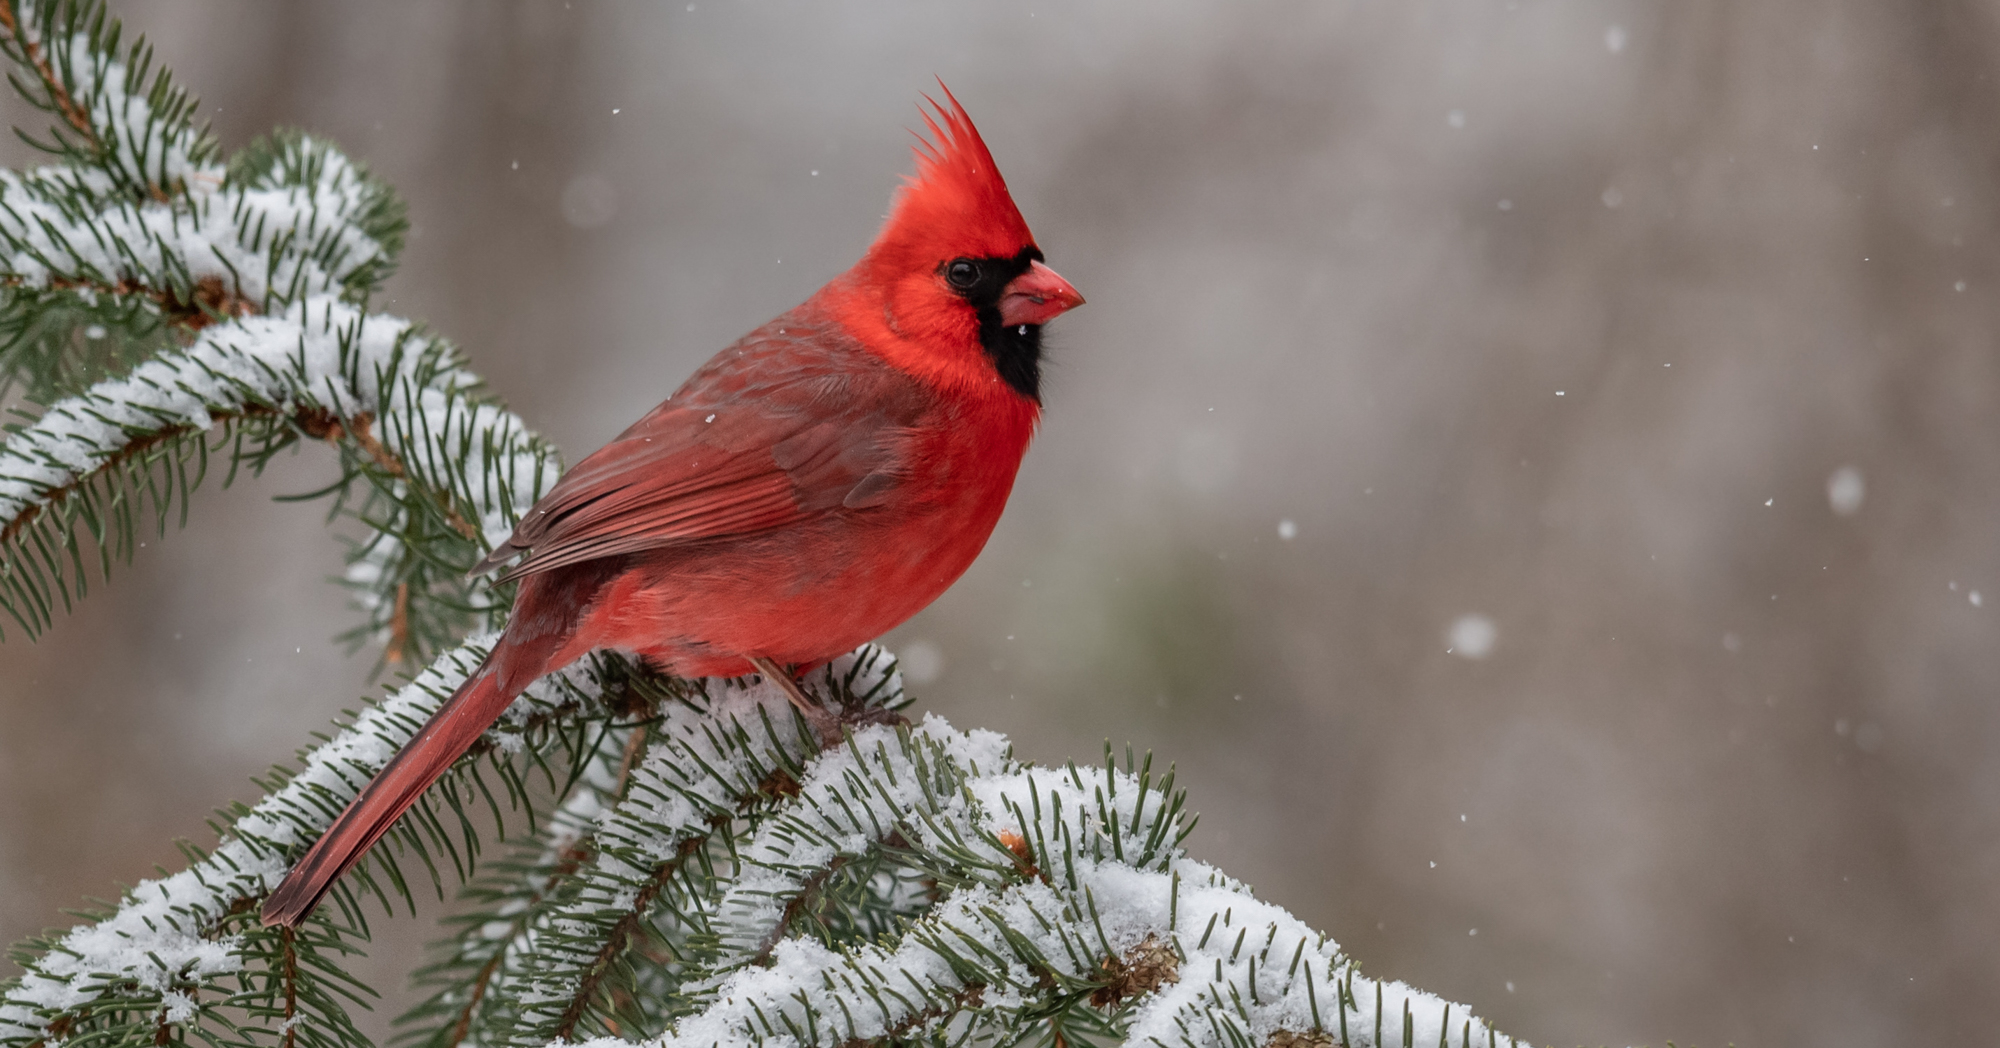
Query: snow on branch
[
  {"x": 112, "y": 109},
  {"x": 1055, "y": 897},
  {"x": 716, "y": 756},
  {"x": 184, "y": 934},
  {"x": 232, "y": 301},
  {"x": 140, "y": 204},
  {"x": 293, "y": 219},
  {"x": 322, "y": 368}
]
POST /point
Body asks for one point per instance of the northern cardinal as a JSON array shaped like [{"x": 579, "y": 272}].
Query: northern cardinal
[{"x": 808, "y": 489}]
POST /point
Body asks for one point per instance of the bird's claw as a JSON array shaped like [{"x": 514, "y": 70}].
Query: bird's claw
[{"x": 825, "y": 722}]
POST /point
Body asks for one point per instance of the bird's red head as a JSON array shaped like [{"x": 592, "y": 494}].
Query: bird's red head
[{"x": 955, "y": 274}]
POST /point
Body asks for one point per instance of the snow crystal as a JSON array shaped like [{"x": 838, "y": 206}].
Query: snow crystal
[
  {"x": 922, "y": 661},
  {"x": 180, "y": 1006},
  {"x": 1472, "y": 636},
  {"x": 1844, "y": 491}
]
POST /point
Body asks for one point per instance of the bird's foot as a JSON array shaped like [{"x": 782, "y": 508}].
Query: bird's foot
[{"x": 825, "y": 722}]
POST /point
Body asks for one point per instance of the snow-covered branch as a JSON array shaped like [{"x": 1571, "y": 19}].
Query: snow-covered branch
[
  {"x": 413, "y": 415},
  {"x": 112, "y": 110},
  {"x": 1056, "y": 896},
  {"x": 294, "y": 219},
  {"x": 188, "y": 932}
]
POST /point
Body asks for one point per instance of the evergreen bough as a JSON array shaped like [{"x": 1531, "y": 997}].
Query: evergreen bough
[{"x": 642, "y": 859}]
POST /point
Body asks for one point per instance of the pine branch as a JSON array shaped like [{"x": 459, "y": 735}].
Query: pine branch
[
  {"x": 1168, "y": 952},
  {"x": 619, "y": 940},
  {"x": 321, "y": 423},
  {"x": 115, "y": 113},
  {"x": 291, "y": 980},
  {"x": 54, "y": 344},
  {"x": 515, "y": 895},
  {"x": 58, "y": 95},
  {"x": 721, "y": 756},
  {"x": 195, "y": 931},
  {"x": 287, "y": 220},
  {"x": 444, "y": 458}
]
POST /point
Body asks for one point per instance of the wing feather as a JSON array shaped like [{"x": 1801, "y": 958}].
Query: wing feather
[{"x": 795, "y": 421}]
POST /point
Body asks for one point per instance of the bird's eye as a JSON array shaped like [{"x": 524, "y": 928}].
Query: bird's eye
[{"x": 962, "y": 272}]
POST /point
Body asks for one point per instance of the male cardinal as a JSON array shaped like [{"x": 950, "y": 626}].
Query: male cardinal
[{"x": 810, "y": 488}]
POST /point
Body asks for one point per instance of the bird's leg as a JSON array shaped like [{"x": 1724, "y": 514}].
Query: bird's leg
[
  {"x": 824, "y": 721},
  {"x": 777, "y": 675}
]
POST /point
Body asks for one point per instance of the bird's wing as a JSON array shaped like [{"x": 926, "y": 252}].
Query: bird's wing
[{"x": 790, "y": 423}]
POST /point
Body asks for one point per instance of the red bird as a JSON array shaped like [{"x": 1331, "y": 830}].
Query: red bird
[{"x": 810, "y": 488}]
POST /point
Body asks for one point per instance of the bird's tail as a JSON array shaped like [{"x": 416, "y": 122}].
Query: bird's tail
[{"x": 448, "y": 734}]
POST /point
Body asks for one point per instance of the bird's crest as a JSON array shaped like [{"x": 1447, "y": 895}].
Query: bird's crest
[{"x": 956, "y": 203}]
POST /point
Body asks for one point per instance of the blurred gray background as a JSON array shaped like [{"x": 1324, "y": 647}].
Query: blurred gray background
[{"x": 1535, "y": 466}]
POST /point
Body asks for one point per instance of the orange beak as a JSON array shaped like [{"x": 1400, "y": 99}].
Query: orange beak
[{"x": 1037, "y": 297}]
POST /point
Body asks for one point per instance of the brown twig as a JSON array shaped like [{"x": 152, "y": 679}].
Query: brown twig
[
  {"x": 1292, "y": 1039},
  {"x": 463, "y": 1026},
  {"x": 325, "y": 425},
  {"x": 291, "y": 985},
  {"x": 57, "y": 93},
  {"x": 572, "y": 858},
  {"x": 634, "y": 746},
  {"x": 175, "y": 310},
  {"x": 55, "y": 496},
  {"x": 315, "y": 422},
  {"x": 808, "y": 892},
  {"x": 973, "y": 994},
  {"x": 399, "y": 625},
  {"x": 212, "y": 299},
  {"x": 614, "y": 944},
  {"x": 360, "y": 428}
]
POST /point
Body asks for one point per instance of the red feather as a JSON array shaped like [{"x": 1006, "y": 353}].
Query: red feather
[
  {"x": 786, "y": 424},
  {"x": 811, "y": 487}
]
